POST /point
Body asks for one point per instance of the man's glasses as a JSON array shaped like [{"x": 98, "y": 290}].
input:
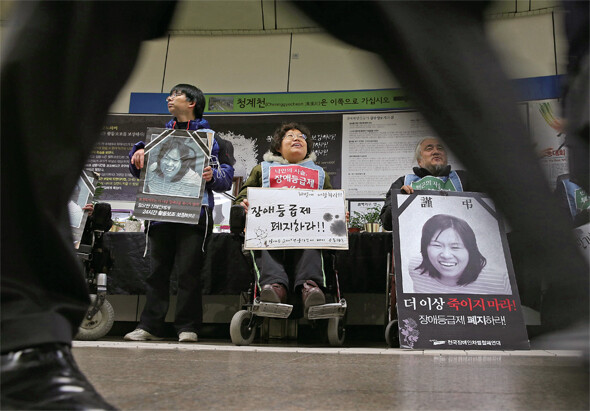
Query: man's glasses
[
  {"x": 172, "y": 96},
  {"x": 294, "y": 136}
]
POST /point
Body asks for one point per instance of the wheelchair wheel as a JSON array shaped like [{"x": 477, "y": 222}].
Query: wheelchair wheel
[
  {"x": 99, "y": 325},
  {"x": 392, "y": 334},
  {"x": 336, "y": 331},
  {"x": 239, "y": 330}
]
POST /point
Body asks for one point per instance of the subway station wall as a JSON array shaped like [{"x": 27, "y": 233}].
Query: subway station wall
[{"x": 528, "y": 46}]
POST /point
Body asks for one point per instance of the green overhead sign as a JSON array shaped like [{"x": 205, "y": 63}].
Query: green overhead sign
[{"x": 307, "y": 102}]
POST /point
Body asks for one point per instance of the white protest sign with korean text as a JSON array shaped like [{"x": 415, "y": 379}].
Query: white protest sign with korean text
[{"x": 281, "y": 218}]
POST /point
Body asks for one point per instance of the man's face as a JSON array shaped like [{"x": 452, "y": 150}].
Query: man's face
[
  {"x": 178, "y": 105},
  {"x": 434, "y": 155}
]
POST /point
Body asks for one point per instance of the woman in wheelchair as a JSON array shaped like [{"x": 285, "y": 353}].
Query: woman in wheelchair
[{"x": 289, "y": 157}]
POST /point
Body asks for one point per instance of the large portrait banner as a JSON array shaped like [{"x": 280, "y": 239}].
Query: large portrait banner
[
  {"x": 455, "y": 282},
  {"x": 281, "y": 218},
  {"x": 171, "y": 184}
]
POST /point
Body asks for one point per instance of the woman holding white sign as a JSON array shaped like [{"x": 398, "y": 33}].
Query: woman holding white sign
[{"x": 290, "y": 163}]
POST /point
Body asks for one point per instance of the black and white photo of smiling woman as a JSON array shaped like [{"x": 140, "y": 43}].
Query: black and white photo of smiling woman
[
  {"x": 172, "y": 172},
  {"x": 451, "y": 262}
]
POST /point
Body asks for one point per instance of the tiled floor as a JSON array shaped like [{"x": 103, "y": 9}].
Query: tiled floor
[{"x": 214, "y": 374}]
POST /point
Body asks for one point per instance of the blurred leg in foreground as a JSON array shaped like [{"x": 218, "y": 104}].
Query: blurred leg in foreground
[
  {"x": 63, "y": 64},
  {"x": 440, "y": 54}
]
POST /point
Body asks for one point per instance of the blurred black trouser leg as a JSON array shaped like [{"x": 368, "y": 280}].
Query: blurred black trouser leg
[
  {"x": 440, "y": 54},
  {"x": 576, "y": 99},
  {"x": 63, "y": 64}
]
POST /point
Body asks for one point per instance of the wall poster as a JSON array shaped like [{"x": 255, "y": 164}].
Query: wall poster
[
  {"x": 455, "y": 282},
  {"x": 546, "y": 129}
]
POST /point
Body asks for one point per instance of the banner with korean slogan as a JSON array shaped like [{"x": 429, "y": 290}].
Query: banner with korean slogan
[
  {"x": 280, "y": 218},
  {"x": 293, "y": 176},
  {"x": 454, "y": 279}
]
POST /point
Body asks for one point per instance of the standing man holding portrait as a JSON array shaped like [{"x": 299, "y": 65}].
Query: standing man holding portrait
[{"x": 175, "y": 245}]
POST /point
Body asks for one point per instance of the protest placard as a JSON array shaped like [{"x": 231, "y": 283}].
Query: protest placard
[
  {"x": 455, "y": 282},
  {"x": 171, "y": 185},
  {"x": 294, "y": 218}
]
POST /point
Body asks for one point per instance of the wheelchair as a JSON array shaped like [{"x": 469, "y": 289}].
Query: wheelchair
[
  {"x": 244, "y": 324},
  {"x": 96, "y": 262}
]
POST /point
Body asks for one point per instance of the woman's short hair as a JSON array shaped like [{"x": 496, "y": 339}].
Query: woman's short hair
[
  {"x": 187, "y": 156},
  {"x": 193, "y": 94},
  {"x": 439, "y": 223},
  {"x": 281, "y": 131}
]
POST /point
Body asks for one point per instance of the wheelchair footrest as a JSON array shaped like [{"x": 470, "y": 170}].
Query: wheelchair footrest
[
  {"x": 273, "y": 310},
  {"x": 318, "y": 312}
]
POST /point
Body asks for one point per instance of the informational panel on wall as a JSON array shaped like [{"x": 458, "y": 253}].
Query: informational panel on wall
[
  {"x": 280, "y": 218},
  {"x": 546, "y": 126},
  {"x": 110, "y": 156},
  {"x": 455, "y": 282},
  {"x": 171, "y": 186},
  {"x": 377, "y": 148}
]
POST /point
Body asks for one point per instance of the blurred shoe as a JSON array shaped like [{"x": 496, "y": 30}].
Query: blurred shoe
[
  {"x": 141, "y": 335},
  {"x": 311, "y": 295},
  {"x": 273, "y": 293},
  {"x": 187, "y": 336},
  {"x": 46, "y": 378}
]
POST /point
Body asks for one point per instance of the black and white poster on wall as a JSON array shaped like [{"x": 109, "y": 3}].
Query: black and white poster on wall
[
  {"x": 455, "y": 282},
  {"x": 171, "y": 184}
]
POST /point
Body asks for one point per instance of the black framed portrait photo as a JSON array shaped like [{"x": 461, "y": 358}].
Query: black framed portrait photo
[
  {"x": 171, "y": 184},
  {"x": 455, "y": 282}
]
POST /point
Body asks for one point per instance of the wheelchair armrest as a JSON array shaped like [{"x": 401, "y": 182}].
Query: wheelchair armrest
[{"x": 237, "y": 219}]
